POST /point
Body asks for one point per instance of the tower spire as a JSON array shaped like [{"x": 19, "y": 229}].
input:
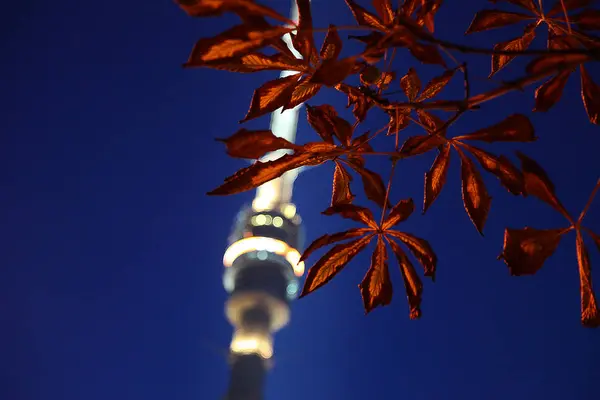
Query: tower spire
[{"x": 261, "y": 266}]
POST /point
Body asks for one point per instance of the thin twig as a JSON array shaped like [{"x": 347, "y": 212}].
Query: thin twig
[{"x": 589, "y": 202}]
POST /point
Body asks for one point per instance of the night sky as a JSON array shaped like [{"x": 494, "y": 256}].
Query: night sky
[{"x": 111, "y": 251}]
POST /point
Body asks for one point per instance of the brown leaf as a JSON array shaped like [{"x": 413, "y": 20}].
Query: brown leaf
[
  {"x": 342, "y": 130},
  {"x": 261, "y": 172},
  {"x": 416, "y": 145},
  {"x": 304, "y": 35},
  {"x": 361, "y": 103},
  {"x": 341, "y": 193},
  {"x": 412, "y": 282},
  {"x": 427, "y": 13},
  {"x": 411, "y": 84},
  {"x": 327, "y": 239},
  {"x": 590, "y": 93},
  {"x": 510, "y": 177},
  {"x": 520, "y": 43},
  {"x": 539, "y": 185},
  {"x": 252, "y": 62},
  {"x": 475, "y": 196},
  {"x": 427, "y": 54},
  {"x": 526, "y": 4},
  {"x": 432, "y": 122},
  {"x": 590, "y": 315},
  {"x": 304, "y": 91},
  {"x": 376, "y": 286},
  {"x": 254, "y": 144},
  {"x": 332, "y": 46},
  {"x": 384, "y": 10},
  {"x": 373, "y": 185},
  {"x": 551, "y": 63},
  {"x": 548, "y": 94},
  {"x": 332, "y": 263},
  {"x": 514, "y": 128},
  {"x": 420, "y": 249},
  {"x": 436, "y": 85},
  {"x": 526, "y": 250},
  {"x": 399, "y": 213},
  {"x": 363, "y": 17},
  {"x": 320, "y": 118},
  {"x": 237, "y": 41},
  {"x": 435, "y": 179},
  {"x": 587, "y": 20},
  {"x": 490, "y": 19},
  {"x": 570, "y": 5},
  {"x": 271, "y": 96},
  {"x": 208, "y": 8},
  {"x": 331, "y": 71},
  {"x": 353, "y": 212},
  {"x": 399, "y": 120}
]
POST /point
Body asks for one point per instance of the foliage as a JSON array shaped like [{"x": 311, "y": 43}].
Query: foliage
[{"x": 409, "y": 26}]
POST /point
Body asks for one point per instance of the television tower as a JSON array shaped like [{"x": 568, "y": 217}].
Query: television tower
[{"x": 261, "y": 266}]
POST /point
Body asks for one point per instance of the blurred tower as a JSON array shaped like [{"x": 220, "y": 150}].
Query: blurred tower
[{"x": 261, "y": 267}]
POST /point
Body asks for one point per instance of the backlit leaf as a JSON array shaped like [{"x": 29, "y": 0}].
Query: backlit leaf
[
  {"x": 590, "y": 93},
  {"x": 304, "y": 34},
  {"x": 520, "y": 43},
  {"x": 304, "y": 91},
  {"x": 261, "y": 172},
  {"x": 399, "y": 213},
  {"x": 412, "y": 282},
  {"x": 384, "y": 10},
  {"x": 538, "y": 184},
  {"x": 416, "y": 145},
  {"x": 526, "y": 4},
  {"x": 271, "y": 96},
  {"x": 237, "y": 41},
  {"x": 475, "y": 196},
  {"x": 320, "y": 118},
  {"x": 526, "y": 250},
  {"x": 491, "y": 19},
  {"x": 590, "y": 315},
  {"x": 514, "y": 128},
  {"x": 327, "y": 239},
  {"x": 432, "y": 122},
  {"x": 420, "y": 249},
  {"x": 435, "y": 179},
  {"x": 570, "y": 5},
  {"x": 411, "y": 84},
  {"x": 332, "y": 46},
  {"x": 376, "y": 286},
  {"x": 331, "y": 71},
  {"x": 373, "y": 185},
  {"x": 207, "y": 8},
  {"x": 550, "y": 63},
  {"x": 363, "y": 17},
  {"x": 332, "y": 263},
  {"x": 510, "y": 177},
  {"x": 548, "y": 94},
  {"x": 341, "y": 193},
  {"x": 252, "y": 62},
  {"x": 353, "y": 212},
  {"x": 436, "y": 85},
  {"x": 362, "y": 104},
  {"x": 254, "y": 144},
  {"x": 427, "y": 54},
  {"x": 399, "y": 120}
]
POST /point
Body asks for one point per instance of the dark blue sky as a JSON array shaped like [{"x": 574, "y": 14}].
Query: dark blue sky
[{"x": 111, "y": 251}]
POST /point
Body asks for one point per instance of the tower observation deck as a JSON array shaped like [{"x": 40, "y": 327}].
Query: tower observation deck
[{"x": 261, "y": 267}]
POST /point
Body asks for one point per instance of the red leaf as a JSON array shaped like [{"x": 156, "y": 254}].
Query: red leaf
[
  {"x": 427, "y": 12},
  {"x": 412, "y": 282},
  {"x": 590, "y": 93},
  {"x": 539, "y": 185},
  {"x": 416, "y": 145},
  {"x": 590, "y": 315},
  {"x": 510, "y": 177},
  {"x": 373, "y": 185},
  {"x": 490, "y": 19},
  {"x": 587, "y": 20},
  {"x": 520, "y": 43},
  {"x": 332, "y": 46},
  {"x": 411, "y": 84},
  {"x": 526, "y": 4},
  {"x": 327, "y": 239},
  {"x": 332, "y": 263},
  {"x": 237, "y": 41},
  {"x": 475, "y": 196},
  {"x": 254, "y": 144},
  {"x": 552, "y": 63},
  {"x": 341, "y": 193},
  {"x": 331, "y": 72},
  {"x": 261, "y": 172},
  {"x": 320, "y": 118},
  {"x": 399, "y": 213},
  {"x": 376, "y": 286},
  {"x": 435, "y": 179},
  {"x": 526, "y": 250},
  {"x": 548, "y": 94},
  {"x": 420, "y": 249},
  {"x": 514, "y": 128},
  {"x": 363, "y": 17},
  {"x": 399, "y": 120},
  {"x": 271, "y": 96},
  {"x": 570, "y": 5},
  {"x": 302, "y": 92},
  {"x": 353, "y": 212},
  {"x": 252, "y": 62},
  {"x": 432, "y": 122},
  {"x": 384, "y": 9},
  {"x": 304, "y": 34},
  {"x": 207, "y": 8},
  {"x": 436, "y": 85},
  {"x": 427, "y": 54},
  {"x": 342, "y": 130},
  {"x": 361, "y": 103}
]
